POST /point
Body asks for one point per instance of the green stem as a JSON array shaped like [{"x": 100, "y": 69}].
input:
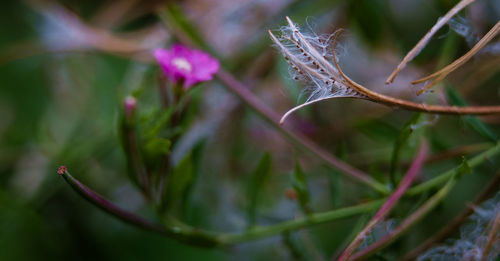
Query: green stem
[
  {"x": 194, "y": 236},
  {"x": 136, "y": 169},
  {"x": 312, "y": 219},
  {"x": 446, "y": 176}
]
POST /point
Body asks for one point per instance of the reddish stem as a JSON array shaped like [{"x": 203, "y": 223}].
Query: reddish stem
[
  {"x": 106, "y": 205},
  {"x": 411, "y": 174},
  {"x": 262, "y": 109}
]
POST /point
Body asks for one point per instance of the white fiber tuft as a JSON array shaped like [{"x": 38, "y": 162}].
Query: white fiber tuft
[
  {"x": 473, "y": 237},
  {"x": 310, "y": 57},
  {"x": 463, "y": 27}
]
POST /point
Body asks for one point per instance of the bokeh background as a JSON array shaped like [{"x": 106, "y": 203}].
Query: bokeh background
[{"x": 66, "y": 67}]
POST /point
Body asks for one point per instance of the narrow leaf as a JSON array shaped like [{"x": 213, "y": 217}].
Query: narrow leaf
[
  {"x": 157, "y": 146},
  {"x": 299, "y": 184},
  {"x": 401, "y": 141},
  {"x": 180, "y": 178},
  {"x": 174, "y": 14},
  {"x": 464, "y": 168},
  {"x": 377, "y": 130},
  {"x": 258, "y": 179},
  {"x": 472, "y": 121}
]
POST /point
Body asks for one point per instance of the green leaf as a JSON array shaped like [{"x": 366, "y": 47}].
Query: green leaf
[
  {"x": 293, "y": 246},
  {"x": 334, "y": 177},
  {"x": 464, "y": 168},
  {"x": 258, "y": 178},
  {"x": 157, "y": 146},
  {"x": 299, "y": 184},
  {"x": 472, "y": 121},
  {"x": 158, "y": 121},
  {"x": 377, "y": 130},
  {"x": 191, "y": 206},
  {"x": 178, "y": 181},
  {"x": 401, "y": 141}
]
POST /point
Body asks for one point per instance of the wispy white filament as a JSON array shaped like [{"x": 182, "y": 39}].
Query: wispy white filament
[
  {"x": 310, "y": 58},
  {"x": 473, "y": 237}
]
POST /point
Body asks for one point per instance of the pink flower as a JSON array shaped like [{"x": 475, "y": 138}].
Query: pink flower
[{"x": 187, "y": 65}]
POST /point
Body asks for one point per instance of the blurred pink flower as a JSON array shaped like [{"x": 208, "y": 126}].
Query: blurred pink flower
[{"x": 190, "y": 66}]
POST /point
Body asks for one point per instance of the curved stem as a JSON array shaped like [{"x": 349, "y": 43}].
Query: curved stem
[
  {"x": 312, "y": 219},
  {"x": 105, "y": 205},
  {"x": 195, "y": 236},
  {"x": 412, "y": 106},
  {"x": 198, "y": 237}
]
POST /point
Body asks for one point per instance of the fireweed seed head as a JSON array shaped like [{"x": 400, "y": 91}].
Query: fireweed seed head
[
  {"x": 189, "y": 66},
  {"x": 310, "y": 57}
]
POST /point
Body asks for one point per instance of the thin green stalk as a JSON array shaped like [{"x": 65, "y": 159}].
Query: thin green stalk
[
  {"x": 137, "y": 171},
  {"x": 195, "y": 236},
  {"x": 312, "y": 219},
  {"x": 445, "y": 176}
]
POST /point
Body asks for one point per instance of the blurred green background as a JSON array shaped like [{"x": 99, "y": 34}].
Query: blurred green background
[{"x": 64, "y": 79}]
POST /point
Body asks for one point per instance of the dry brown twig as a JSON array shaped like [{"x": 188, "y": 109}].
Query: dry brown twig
[
  {"x": 441, "y": 74},
  {"x": 423, "y": 42},
  {"x": 306, "y": 56},
  {"x": 391, "y": 101}
]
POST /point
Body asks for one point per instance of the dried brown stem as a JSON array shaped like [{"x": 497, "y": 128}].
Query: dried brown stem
[
  {"x": 421, "y": 44},
  {"x": 395, "y": 102},
  {"x": 441, "y": 74}
]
